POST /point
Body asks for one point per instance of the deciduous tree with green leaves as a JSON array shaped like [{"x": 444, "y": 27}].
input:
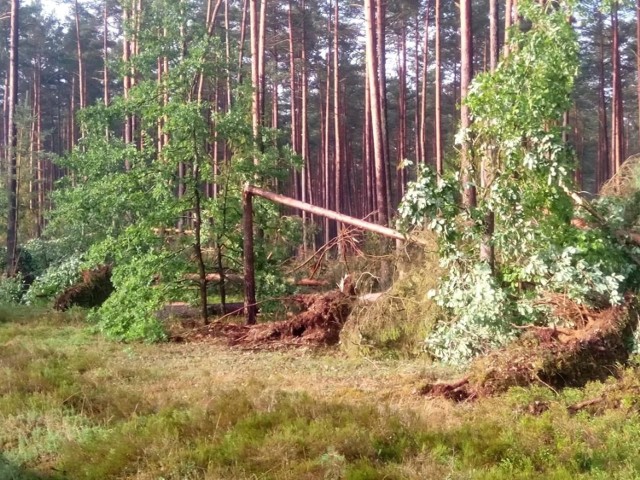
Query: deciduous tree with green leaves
[{"x": 125, "y": 205}]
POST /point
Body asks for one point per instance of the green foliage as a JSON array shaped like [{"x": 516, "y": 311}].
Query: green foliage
[
  {"x": 54, "y": 280},
  {"x": 516, "y": 136},
  {"x": 11, "y": 289},
  {"x": 133, "y": 195}
]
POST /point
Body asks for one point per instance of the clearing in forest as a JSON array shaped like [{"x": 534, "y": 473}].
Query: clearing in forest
[{"x": 76, "y": 406}]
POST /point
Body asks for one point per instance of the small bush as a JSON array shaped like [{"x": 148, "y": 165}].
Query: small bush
[
  {"x": 11, "y": 289},
  {"x": 54, "y": 280}
]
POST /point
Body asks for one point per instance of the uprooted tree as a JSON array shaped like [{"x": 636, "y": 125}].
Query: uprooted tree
[{"x": 541, "y": 251}]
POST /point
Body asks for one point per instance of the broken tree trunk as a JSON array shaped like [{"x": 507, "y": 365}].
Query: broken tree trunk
[
  {"x": 323, "y": 212},
  {"x": 249, "y": 270},
  {"x": 249, "y": 260}
]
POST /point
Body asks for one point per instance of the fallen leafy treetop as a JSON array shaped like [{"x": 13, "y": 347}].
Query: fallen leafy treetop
[{"x": 517, "y": 139}]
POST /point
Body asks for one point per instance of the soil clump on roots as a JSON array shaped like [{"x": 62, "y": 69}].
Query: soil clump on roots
[
  {"x": 318, "y": 324},
  {"x": 593, "y": 349},
  {"x": 92, "y": 291}
]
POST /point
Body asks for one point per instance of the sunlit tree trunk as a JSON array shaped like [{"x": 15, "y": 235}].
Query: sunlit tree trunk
[
  {"x": 105, "y": 53},
  {"x": 337, "y": 128},
  {"x": 380, "y": 15},
  {"x": 438, "y": 93},
  {"x": 82, "y": 83},
  {"x": 423, "y": 95},
  {"x": 243, "y": 34},
  {"x": 377, "y": 121},
  {"x": 616, "y": 94},
  {"x": 466, "y": 72},
  {"x": 12, "y": 144}
]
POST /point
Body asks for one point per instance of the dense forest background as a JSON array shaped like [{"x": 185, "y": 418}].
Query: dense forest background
[
  {"x": 131, "y": 131},
  {"x": 313, "y": 88}
]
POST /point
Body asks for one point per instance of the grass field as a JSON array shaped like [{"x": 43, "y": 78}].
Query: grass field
[{"x": 76, "y": 406}]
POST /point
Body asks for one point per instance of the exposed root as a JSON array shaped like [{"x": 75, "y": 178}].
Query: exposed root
[
  {"x": 92, "y": 291},
  {"x": 319, "y": 324},
  {"x": 550, "y": 356}
]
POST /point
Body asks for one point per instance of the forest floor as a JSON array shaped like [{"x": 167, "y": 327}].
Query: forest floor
[{"x": 76, "y": 406}]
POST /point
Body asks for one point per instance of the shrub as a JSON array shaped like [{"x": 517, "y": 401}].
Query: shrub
[
  {"x": 55, "y": 279},
  {"x": 11, "y": 289}
]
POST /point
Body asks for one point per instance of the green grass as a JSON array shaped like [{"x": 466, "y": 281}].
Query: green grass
[{"x": 74, "y": 406}]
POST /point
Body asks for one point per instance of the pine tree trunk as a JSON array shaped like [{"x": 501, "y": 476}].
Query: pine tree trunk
[
  {"x": 305, "y": 185},
  {"x": 327, "y": 137},
  {"x": 487, "y": 250},
  {"x": 438, "y": 93},
  {"x": 40, "y": 177},
  {"x": 337, "y": 132},
  {"x": 243, "y": 33},
  {"x": 81, "y": 77},
  {"x": 616, "y": 96},
  {"x": 466, "y": 73},
  {"x": 402, "y": 111},
  {"x": 12, "y": 144},
  {"x": 105, "y": 54},
  {"x": 380, "y": 15},
  {"x": 377, "y": 120},
  {"x": 638, "y": 58},
  {"x": 423, "y": 96},
  {"x": 261, "y": 50},
  {"x": 603, "y": 170},
  {"x": 255, "y": 73}
]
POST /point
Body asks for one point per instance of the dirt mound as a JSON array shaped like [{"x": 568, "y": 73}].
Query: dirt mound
[
  {"x": 92, "y": 291},
  {"x": 318, "y": 324},
  {"x": 556, "y": 357}
]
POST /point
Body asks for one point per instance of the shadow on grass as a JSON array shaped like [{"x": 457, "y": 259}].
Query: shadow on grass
[{"x": 9, "y": 471}]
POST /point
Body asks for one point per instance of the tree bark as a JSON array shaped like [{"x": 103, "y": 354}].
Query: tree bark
[
  {"x": 423, "y": 96},
  {"x": 250, "y": 306},
  {"x": 402, "y": 111},
  {"x": 466, "y": 73},
  {"x": 438, "y": 93},
  {"x": 638, "y": 57},
  {"x": 250, "y": 190},
  {"x": 603, "y": 170},
  {"x": 255, "y": 73},
  {"x": 105, "y": 54},
  {"x": 487, "y": 250},
  {"x": 12, "y": 144},
  {"x": 337, "y": 132},
  {"x": 82, "y": 84},
  {"x": 376, "y": 114},
  {"x": 616, "y": 95}
]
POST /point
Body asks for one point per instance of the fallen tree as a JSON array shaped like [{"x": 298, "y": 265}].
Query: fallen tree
[
  {"x": 319, "y": 323},
  {"x": 555, "y": 357},
  {"x": 92, "y": 291},
  {"x": 249, "y": 192}
]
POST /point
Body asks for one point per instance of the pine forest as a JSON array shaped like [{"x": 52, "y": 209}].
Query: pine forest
[{"x": 318, "y": 239}]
